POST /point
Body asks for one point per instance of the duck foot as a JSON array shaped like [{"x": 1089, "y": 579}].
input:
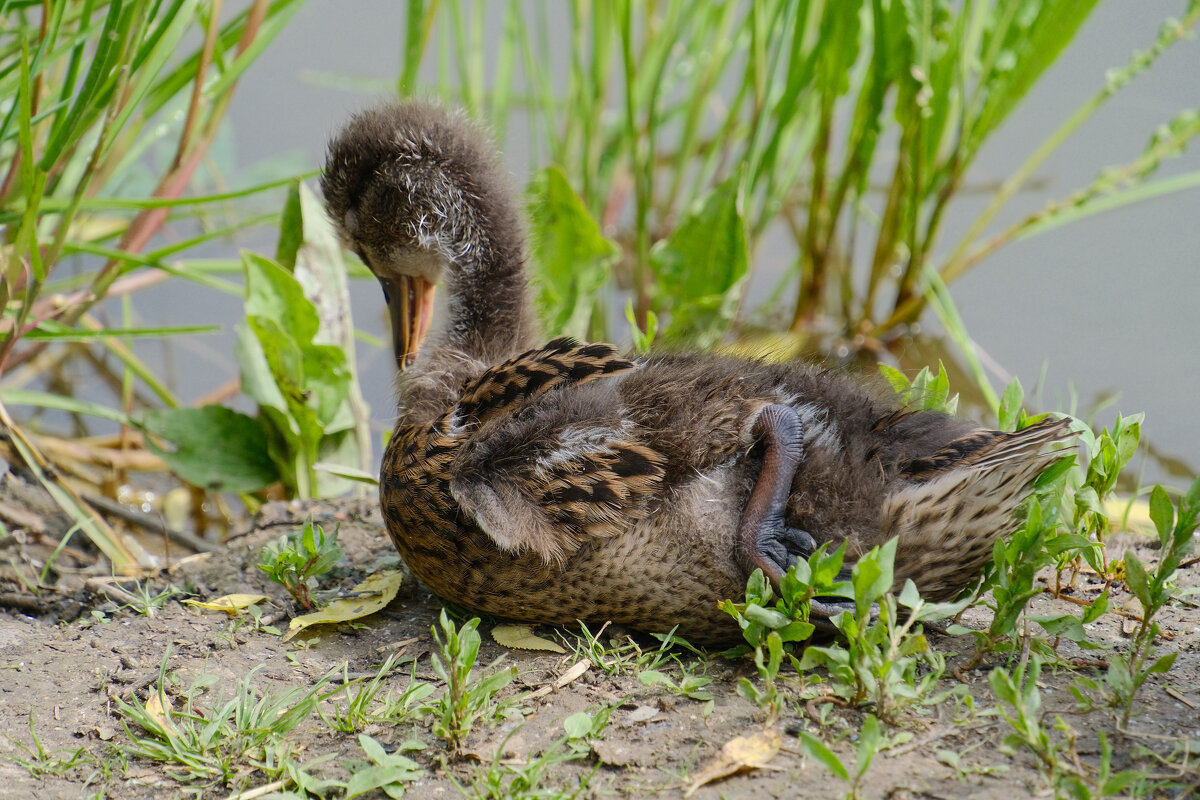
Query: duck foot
[{"x": 765, "y": 541}]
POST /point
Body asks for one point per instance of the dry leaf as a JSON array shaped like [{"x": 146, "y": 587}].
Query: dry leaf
[
  {"x": 370, "y": 596},
  {"x": 231, "y": 604},
  {"x": 521, "y": 637},
  {"x": 162, "y": 713},
  {"x": 738, "y": 755},
  {"x": 570, "y": 676}
]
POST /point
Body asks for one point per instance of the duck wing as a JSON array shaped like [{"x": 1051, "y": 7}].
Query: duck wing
[{"x": 545, "y": 470}]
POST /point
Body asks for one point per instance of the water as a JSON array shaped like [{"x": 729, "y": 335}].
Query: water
[{"x": 1106, "y": 307}]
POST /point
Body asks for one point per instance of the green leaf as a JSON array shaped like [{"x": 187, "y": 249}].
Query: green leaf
[
  {"x": 216, "y": 448},
  {"x": 1025, "y": 47},
  {"x": 868, "y": 744},
  {"x": 571, "y": 255},
  {"x": 1010, "y": 405},
  {"x": 274, "y": 293},
  {"x": 1135, "y": 579},
  {"x": 61, "y": 403},
  {"x": 767, "y": 617},
  {"x": 579, "y": 724},
  {"x": 52, "y": 331},
  {"x": 817, "y": 749},
  {"x": 701, "y": 266},
  {"x": 1163, "y": 664},
  {"x": 1162, "y": 514},
  {"x": 872, "y": 576},
  {"x": 899, "y": 381}
]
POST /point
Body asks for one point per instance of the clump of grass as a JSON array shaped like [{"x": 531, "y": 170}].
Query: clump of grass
[
  {"x": 217, "y": 743},
  {"x": 364, "y": 706},
  {"x": 41, "y": 763}
]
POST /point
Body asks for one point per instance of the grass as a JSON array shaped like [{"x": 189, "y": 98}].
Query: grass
[{"x": 215, "y": 743}]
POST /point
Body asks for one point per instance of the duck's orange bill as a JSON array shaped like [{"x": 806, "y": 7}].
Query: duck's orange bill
[{"x": 411, "y": 312}]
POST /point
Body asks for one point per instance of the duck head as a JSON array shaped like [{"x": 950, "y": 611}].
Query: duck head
[{"x": 418, "y": 194}]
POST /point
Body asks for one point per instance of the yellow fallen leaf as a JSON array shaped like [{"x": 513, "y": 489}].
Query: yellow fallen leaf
[
  {"x": 370, "y": 596},
  {"x": 738, "y": 755},
  {"x": 521, "y": 637},
  {"x": 231, "y": 604},
  {"x": 159, "y": 707}
]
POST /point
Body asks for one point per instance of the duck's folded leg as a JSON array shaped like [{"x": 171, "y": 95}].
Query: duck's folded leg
[{"x": 765, "y": 540}]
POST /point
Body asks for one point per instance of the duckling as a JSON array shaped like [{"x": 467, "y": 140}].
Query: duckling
[{"x": 567, "y": 481}]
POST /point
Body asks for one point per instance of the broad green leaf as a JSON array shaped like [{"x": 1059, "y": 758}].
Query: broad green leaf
[
  {"x": 215, "y": 447},
  {"x": 1135, "y": 579},
  {"x": 868, "y": 744},
  {"x": 571, "y": 254},
  {"x": 701, "y": 266},
  {"x": 872, "y": 575},
  {"x": 1010, "y": 405},
  {"x": 273, "y": 293},
  {"x": 579, "y": 724}
]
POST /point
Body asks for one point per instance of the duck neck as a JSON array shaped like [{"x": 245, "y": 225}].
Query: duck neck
[{"x": 489, "y": 316}]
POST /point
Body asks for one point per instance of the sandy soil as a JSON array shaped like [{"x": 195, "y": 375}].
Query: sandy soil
[{"x": 68, "y": 656}]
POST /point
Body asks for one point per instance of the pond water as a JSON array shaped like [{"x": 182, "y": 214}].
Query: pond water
[{"x": 1106, "y": 308}]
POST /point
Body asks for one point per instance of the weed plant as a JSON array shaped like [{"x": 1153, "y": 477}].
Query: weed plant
[
  {"x": 295, "y": 560},
  {"x": 467, "y": 698}
]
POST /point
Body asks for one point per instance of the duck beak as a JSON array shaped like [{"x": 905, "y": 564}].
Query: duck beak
[{"x": 410, "y": 306}]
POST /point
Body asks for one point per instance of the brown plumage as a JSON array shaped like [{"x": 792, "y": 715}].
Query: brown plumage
[{"x": 563, "y": 481}]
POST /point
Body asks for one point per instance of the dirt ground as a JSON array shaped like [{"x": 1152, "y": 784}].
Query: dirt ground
[{"x": 68, "y": 657}]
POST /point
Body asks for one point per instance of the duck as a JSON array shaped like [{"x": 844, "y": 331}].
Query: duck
[{"x": 555, "y": 482}]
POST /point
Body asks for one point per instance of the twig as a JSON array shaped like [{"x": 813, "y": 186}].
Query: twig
[
  {"x": 259, "y": 791},
  {"x": 149, "y": 523},
  {"x": 1180, "y": 697},
  {"x": 106, "y": 587}
]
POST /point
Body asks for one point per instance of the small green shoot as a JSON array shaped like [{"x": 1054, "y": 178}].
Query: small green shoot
[
  {"x": 1175, "y": 527},
  {"x": 870, "y": 741},
  {"x": 147, "y": 602},
  {"x": 295, "y": 560},
  {"x": 884, "y": 657},
  {"x": 768, "y": 623},
  {"x": 40, "y": 763},
  {"x": 467, "y": 698},
  {"x": 360, "y": 695},
  {"x": 501, "y": 781}
]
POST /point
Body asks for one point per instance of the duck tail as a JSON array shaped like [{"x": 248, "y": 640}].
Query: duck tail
[{"x": 952, "y": 506}]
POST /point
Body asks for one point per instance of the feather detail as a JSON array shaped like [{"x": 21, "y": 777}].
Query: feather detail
[{"x": 503, "y": 388}]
